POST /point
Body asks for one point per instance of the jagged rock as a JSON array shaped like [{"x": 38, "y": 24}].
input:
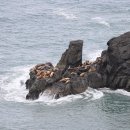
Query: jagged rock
[
  {"x": 64, "y": 79},
  {"x": 72, "y": 56},
  {"x": 37, "y": 87},
  {"x": 115, "y": 64}
]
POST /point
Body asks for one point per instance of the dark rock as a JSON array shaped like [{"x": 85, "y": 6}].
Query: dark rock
[
  {"x": 29, "y": 83},
  {"x": 115, "y": 65},
  {"x": 75, "y": 85},
  {"x": 70, "y": 76},
  {"x": 72, "y": 56},
  {"x": 59, "y": 89},
  {"x": 37, "y": 87},
  {"x": 78, "y": 84},
  {"x": 95, "y": 80}
]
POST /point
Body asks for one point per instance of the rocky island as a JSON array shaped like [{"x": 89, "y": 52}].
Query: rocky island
[{"x": 71, "y": 76}]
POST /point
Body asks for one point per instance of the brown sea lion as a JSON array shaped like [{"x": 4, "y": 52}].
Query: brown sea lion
[{"x": 82, "y": 74}]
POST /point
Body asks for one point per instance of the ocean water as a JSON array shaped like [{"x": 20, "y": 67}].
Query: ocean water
[{"x": 37, "y": 31}]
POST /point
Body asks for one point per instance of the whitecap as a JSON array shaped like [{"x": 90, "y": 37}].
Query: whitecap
[
  {"x": 101, "y": 20},
  {"x": 65, "y": 13}
]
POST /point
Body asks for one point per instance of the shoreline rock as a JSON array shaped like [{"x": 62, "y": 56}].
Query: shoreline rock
[
  {"x": 71, "y": 76},
  {"x": 115, "y": 64}
]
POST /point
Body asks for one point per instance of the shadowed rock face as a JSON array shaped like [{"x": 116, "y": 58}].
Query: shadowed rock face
[
  {"x": 115, "y": 64},
  {"x": 70, "y": 76}
]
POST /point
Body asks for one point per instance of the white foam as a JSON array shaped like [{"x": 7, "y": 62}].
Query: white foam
[
  {"x": 65, "y": 13},
  {"x": 12, "y": 84},
  {"x": 89, "y": 94},
  {"x": 118, "y": 91},
  {"x": 101, "y": 20}
]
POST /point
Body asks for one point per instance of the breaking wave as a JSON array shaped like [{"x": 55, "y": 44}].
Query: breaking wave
[
  {"x": 13, "y": 89},
  {"x": 12, "y": 84}
]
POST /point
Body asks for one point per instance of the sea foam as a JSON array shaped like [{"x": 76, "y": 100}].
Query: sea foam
[
  {"x": 118, "y": 91},
  {"x": 65, "y": 13},
  {"x": 13, "y": 89},
  {"x": 101, "y": 20}
]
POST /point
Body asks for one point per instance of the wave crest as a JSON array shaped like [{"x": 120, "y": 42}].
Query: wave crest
[
  {"x": 65, "y": 13},
  {"x": 101, "y": 20}
]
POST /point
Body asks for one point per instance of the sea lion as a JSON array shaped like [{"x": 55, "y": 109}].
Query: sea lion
[
  {"x": 82, "y": 74},
  {"x": 64, "y": 79},
  {"x": 49, "y": 64},
  {"x": 48, "y": 72},
  {"x": 39, "y": 73},
  {"x": 42, "y": 75},
  {"x": 51, "y": 74},
  {"x": 38, "y": 65},
  {"x": 86, "y": 63},
  {"x": 73, "y": 73},
  {"x": 87, "y": 67},
  {"x": 68, "y": 81},
  {"x": 39, "y": 77},
  {"x": 92, "y": 69}
]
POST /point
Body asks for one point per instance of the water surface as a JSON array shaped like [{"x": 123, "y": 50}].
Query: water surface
[{"x": 34, "y": 32}]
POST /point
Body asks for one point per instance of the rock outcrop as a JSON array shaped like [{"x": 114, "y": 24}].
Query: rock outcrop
[
  {"x": 115, "y": 63},
  {"x": 70, "y": 76},
  {"x": 73, "y": 56}
]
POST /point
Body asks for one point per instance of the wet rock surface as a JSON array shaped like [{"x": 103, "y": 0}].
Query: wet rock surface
[{"x": 71, "y": 76}]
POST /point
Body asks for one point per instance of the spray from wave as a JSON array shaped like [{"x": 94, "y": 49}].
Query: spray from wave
[
  {"x": 12, "y": 84},
  {"x": 13, "y": 89}
]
